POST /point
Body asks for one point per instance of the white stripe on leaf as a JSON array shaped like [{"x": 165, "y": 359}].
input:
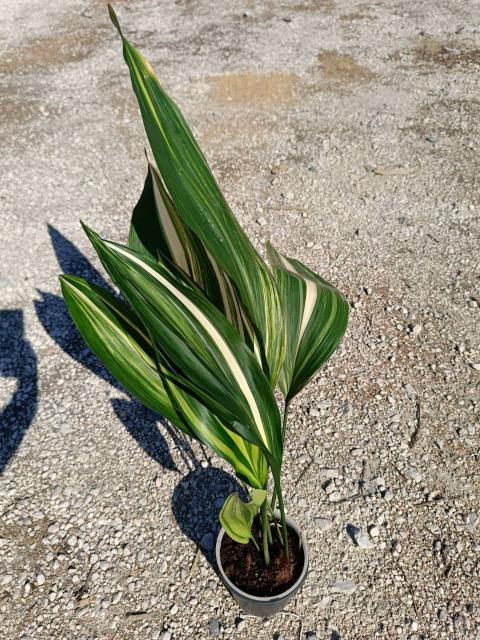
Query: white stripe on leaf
[
  {"x": 211, "y": 330},
  {"x": 171, "y": 235}
]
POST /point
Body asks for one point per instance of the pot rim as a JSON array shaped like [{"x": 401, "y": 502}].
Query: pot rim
[{"x": 279, "y": 596}]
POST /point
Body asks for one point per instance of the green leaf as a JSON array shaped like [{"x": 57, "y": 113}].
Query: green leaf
[
  {"x": 316, "y": 320},
  {"x": 202, "y": 207},
  {"x": 119, "y": 340},
  {"x": 157, "y": 231},
  {"x": 203, "y": 352},
  {"x": 237, "y": 516},
  {"x": 248, "y": 460}
]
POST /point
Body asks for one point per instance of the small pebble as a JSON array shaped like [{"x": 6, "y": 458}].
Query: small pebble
[
  {"x": 346, "y": 587},
  {"x": 442, "y": 615},
  {"x": 324, "y": 524},
  {"x": 207, "y": 541},
  {"x": 414, "y": 474},
  {"x": 471, "y": 521},
  {"x": 414, "y": 330},
  {"x": 214, "y": 627},
  {"x": 328, "y": 472},
  {"x": 335, "y": 496},
  {"x": 360, "y": 537},
  {"x": 282, "y": 167}
]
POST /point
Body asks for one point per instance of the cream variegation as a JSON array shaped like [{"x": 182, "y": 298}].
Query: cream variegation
[
  {"x": 316, "y": 316},
  {"x": 203, "y": 208},
  {"x": 221, "y": 343},
  {"x": 205, "y": 329},
  {"x": 118, "y": 338}
]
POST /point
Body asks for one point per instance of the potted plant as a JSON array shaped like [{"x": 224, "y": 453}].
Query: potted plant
[{"x": 204, "y": 332}]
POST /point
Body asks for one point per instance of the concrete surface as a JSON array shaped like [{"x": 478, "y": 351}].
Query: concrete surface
[{"x": 351, "y": 130}]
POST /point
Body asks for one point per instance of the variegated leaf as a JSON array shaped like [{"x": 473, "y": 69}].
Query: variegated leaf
[
  {"x": 202, "y": 349},
  {"x": 316, "y": 317},
  {"x": 202, "y": 207},
  {"x": 236, "y": 516},
  {"x": 114, "y": 333},
  {"x": 157, "y": 230}
]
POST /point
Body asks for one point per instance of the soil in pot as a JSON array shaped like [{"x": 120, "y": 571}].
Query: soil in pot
[{"x": 245, "y": 566}]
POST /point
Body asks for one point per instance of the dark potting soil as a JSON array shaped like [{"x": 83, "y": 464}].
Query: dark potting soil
[{"x": 245, "y": 566}]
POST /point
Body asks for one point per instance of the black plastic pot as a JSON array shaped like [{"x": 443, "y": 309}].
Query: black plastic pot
[{"x": 264, "y": 606}]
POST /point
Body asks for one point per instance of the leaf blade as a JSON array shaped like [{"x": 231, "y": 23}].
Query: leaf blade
[
  {"x": 236, "y": 516},
  {"x": 203, "y": 208},
  {"x": 316, "y": 320},
  {"x": 215, "y": 363},
  {"x": 127, "y": 355}
]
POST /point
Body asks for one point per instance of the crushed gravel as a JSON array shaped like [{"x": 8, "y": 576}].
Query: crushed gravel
[{"x": 345, "y": 132}]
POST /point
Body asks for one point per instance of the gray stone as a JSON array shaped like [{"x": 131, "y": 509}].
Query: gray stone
[
  {"x": 324, "y": 524},
  {"x": 328, "y": 472},
  {"x": 360, "y": 537},
  {"x": 345, "y": 587},
  {"x": 208, "y": 541},
  {"x": 214, "y": 627},
  {"x": 472, "y": 521},
  {"x": 414, "y": 330},
  {"x": 335, "y": 496},
  {"x": 414, "y": 474}
]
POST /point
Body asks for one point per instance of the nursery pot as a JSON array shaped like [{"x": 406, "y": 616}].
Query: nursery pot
[{"x": 259, "y": 605}]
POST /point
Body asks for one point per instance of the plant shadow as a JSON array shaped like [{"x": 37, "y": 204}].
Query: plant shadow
[
  {"x": 141, "y": 423},
  {"x": 17, "y": 361},
  {"x": 199, "y": 495},
  {"x": 196, "y": 504}
]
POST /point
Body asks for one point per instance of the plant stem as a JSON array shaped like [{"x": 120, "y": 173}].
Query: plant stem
[
  {"x": 285, "y": 418},
  {"x": 255, "y": 543},
  {"x": 275, "y": 523},
  {"x": 265, "y": 527},
  {"x": 282, "y": 512},
  {"x": 273, "y": 500},
  {"x": 269, "y": 528},
  {"x": 284, "y": 429}
]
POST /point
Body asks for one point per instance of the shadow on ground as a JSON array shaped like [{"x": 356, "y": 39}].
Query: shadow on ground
[
  {"x": 141, "y": 423},
  {"x": 199, "y": 496},
  {"x": 196, "y": 503},
  {"x": 17, "y": 361}
]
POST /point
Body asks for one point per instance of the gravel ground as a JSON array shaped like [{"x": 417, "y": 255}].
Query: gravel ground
[{"x": 346, "y": 132}]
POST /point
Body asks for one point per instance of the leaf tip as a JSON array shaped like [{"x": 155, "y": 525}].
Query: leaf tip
[
  {"x": 65, "y": 284},
  {"x": 114, "y": 19},
  {"x": 90, "y": 233}
]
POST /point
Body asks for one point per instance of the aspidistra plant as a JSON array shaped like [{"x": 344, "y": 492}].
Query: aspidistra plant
[{"x": 204, "y": 331}]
